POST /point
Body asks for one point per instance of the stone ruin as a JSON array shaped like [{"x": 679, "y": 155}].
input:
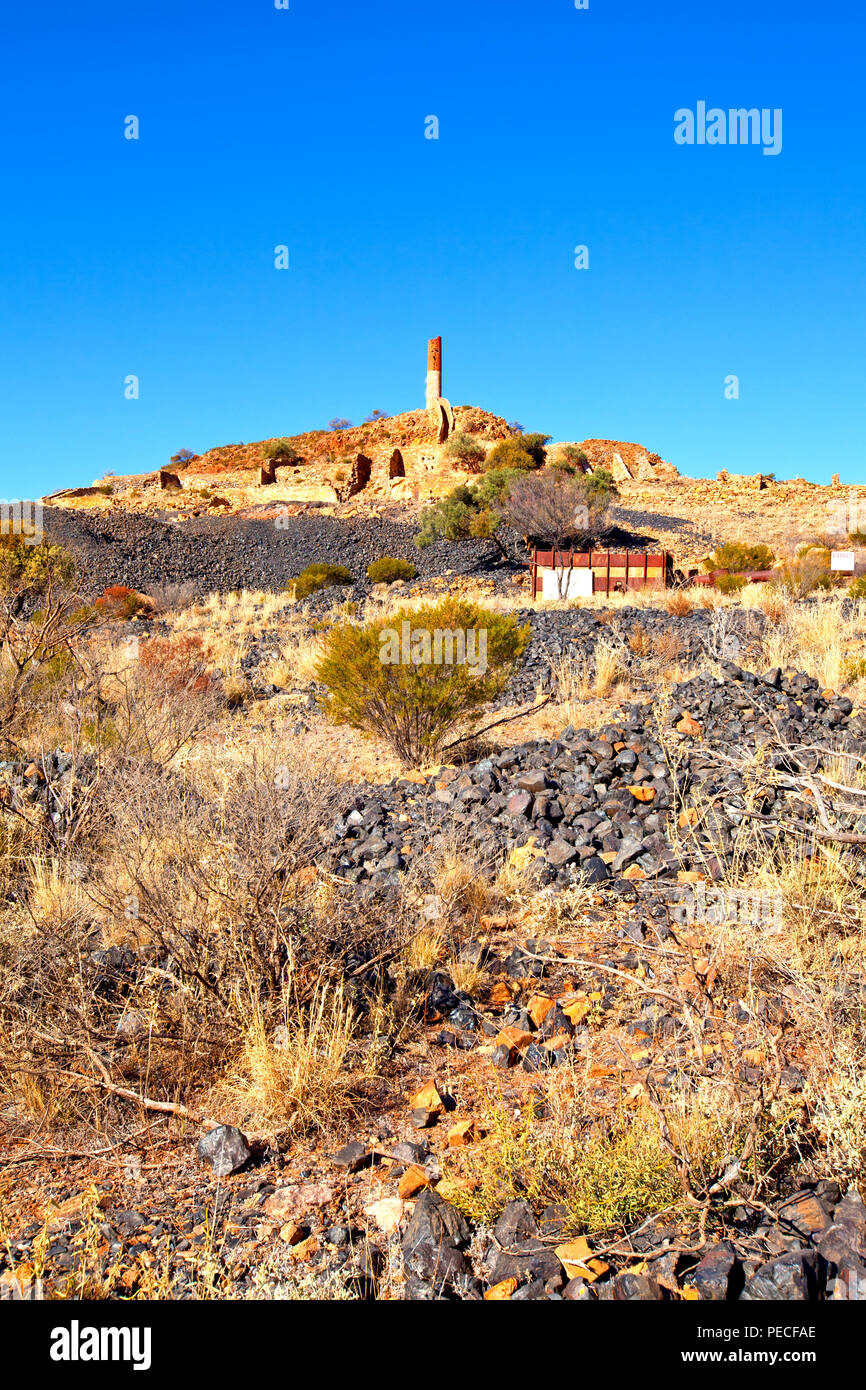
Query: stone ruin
[
  {"x": 396, "y": 466},
  {"x": 362, "y": 469},
  {"x": 169, "y": 482},
  {"x": 438, "y": 408}
]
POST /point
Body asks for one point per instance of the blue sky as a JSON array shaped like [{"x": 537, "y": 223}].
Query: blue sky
[{"x": 306, "y": 127}]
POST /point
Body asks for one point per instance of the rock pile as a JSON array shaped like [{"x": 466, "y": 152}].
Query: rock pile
[
  {"x": 220, "y": 554},
  {"x": 599, "y": 805}
]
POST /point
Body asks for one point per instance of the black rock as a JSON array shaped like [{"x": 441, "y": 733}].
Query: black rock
[
  {"x": 226, "y": 1149},
  {"x": 353, "y": 1157}
]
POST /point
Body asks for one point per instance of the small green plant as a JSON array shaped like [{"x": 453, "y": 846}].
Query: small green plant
[
  {"x": 738, "y": 556},
  {"x": 858, "y": 588},
  {"x": 388, "y": 570},
  {"x": 601, "y": 485},
  {"x": 32, "y": 569},
  {"x": 471, "y": 511},
  {"x": 320, "y": 576},
  {"x": 466, "y": 450},
  {"x": 571, "y": 458},
  {"x": 523, "y": 451},
  {"x": 280, "y": 449},
  {"x": 731, "y": 583},
  {"x": 410, "y": 678}
]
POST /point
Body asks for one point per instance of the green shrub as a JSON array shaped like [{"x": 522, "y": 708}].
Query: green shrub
[
  {"x": 857, "y": 589},
  {"x": 600, "y": 486},
  {"x": 731, "y": 583},
  {"x": 402, "y": 678},
  {"x": 282, "y": 449},
  {"x": 535, "y": 446},
  {"x": 33, "y": 569},
  {"x": 739, "y": 556},
  {"x": 466, "y": 450},
  {"x": 388, "y": 570},
  {"x": 571, "y": 458},
  {"x": 320, "y": 576},
  {"x": 470, "y": 511},
  {"x": 511, "y": 453}
]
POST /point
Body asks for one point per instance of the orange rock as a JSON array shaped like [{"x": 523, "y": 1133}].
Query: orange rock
[
  {"x": 538, "y": 1008},
  {"x": 634, "y": 871},
  {"x": 500, "y": 995},
  {"x": 643, "y": 793},
  {"x": 576, "y": 1012},
  {"x": 428, "y": 1098},
  {"x": 306, "y": 1249},
  {"x": 502, "y": 1290},
  {"x": 460, "y": 1134},
  {"x": 515, "y": 1037},
  {"x": 557, "y": 1041},
  {"x": 690, "y": 816},
  {"x": 414, "y": 1180},
  {"x": 689, "y": 726},
  {"x": 292, "y": 1233},
  {"x": 579, "y": 1262}
]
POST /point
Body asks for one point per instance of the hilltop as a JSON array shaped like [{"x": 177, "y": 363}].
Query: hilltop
[{"x": 386, "y": 470}]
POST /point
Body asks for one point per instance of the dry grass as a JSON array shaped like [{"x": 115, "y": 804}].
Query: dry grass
[{"x": 293, "y": 1077}]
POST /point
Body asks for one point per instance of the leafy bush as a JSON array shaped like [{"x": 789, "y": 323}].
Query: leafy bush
[
  {"x": 470, "y": 511},
  {"x": 510, "y": 453},
  {"x": 282, "y": 449},
  {"x": 338, "y": 423},
  {"x": 117, "y": 601},
  {"x": 601, "y": 484},
  {"x": 730, "y": 583},
  {"x": 467, "y": 450},
  {"x": 32, "y": 569},
  {"x": 739, "y": 556},
  {"x": 858, "y": 588},
  {"x": 183, "y": 457},
  {"x": 388, "y": 570},
  {"x": 572, "y": 457},
  {"x": 320, "y": 576},
  {"x": 413, "y": 706}
]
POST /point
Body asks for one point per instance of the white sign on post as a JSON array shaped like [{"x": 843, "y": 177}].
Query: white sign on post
[{"x": 842, "y": 560}]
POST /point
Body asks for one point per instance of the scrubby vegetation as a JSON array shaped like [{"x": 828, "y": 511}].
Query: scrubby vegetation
[
  {"x": 320, "y": 576},
  {"x": 410, "y": 678},
  {"x": 281, "y": 451},
  {"x": 740, "y": 556},
  {"x": 522, "y": 451},
  {"x": 467, "y": 451},
  {"x": 388, "y": 570},
  {"x": 178, "y": 951}
]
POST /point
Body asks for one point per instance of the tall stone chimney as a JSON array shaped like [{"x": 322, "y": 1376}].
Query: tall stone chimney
[{"x": 434, "y": 371}]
